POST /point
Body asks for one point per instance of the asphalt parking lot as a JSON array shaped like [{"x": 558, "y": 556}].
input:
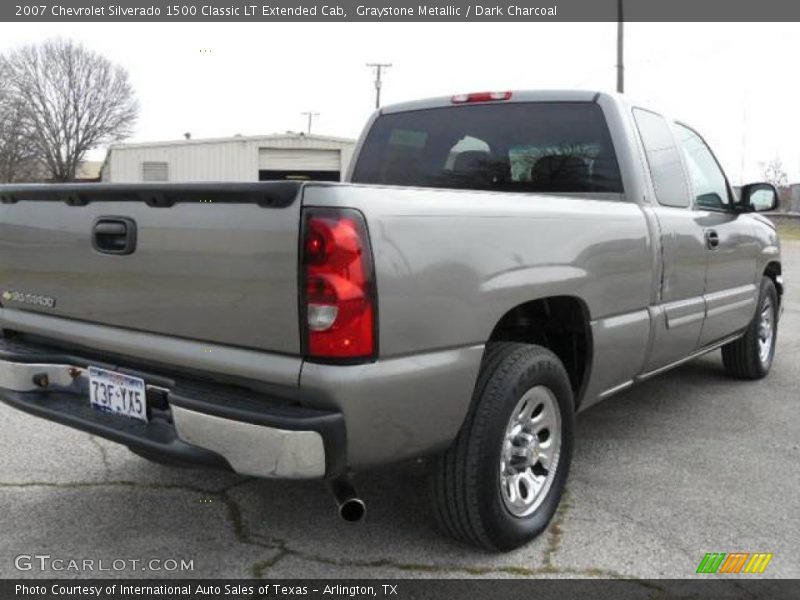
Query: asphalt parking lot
[{"x": 688, "y": 463}]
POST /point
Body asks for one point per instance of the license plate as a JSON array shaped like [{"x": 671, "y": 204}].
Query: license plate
[{"x": 117, "y": 393}]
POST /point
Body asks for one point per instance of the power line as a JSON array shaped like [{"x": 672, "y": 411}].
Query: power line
[
  {"x": 378, "y": 83},
  {"x": 310, "y": 116}
]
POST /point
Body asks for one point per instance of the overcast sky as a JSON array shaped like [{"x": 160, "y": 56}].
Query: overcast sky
[{"x": 735, "y": 83}]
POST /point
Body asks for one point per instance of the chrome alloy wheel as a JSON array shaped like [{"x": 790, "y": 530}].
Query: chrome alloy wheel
[
  {"x": 766, "y": 330},
  {"x": 531, "y": 447}
]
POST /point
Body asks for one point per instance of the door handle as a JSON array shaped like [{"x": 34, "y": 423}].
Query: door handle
[
  {"x": 114, "y": 235},
  {"x": 712, "y": 239}
]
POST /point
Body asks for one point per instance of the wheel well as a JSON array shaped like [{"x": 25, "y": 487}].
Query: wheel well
[
  {"x": 773, "y": 271},
  {"x": 559, "y": 323}
]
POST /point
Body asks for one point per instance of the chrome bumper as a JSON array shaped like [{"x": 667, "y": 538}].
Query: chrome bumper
[
  {"x": 31, "y": 377},
  {"x": 249, "y": 448},
  {"x": 254, "y": 449}
]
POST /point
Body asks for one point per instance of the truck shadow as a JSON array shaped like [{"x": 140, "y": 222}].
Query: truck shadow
[
  {"x": 301, "y": 517},
  {"x": 623, "y": 445}
]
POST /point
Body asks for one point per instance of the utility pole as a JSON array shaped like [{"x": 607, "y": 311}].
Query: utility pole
[
  {"x": 310, "y": 116},
  {"x": 378, "y": 69},
  {"x": 744, "y": 140},
  {"x": 620, "y": 56}
]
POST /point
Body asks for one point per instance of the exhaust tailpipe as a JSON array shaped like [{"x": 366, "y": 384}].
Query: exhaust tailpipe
[{"x": 351, "y": 508}]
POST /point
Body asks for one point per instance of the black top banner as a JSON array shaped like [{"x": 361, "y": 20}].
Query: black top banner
[{"x": 398, "y": 10}]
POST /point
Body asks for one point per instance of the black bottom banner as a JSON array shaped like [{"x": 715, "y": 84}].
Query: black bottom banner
[{"x": 462, "y": 589}]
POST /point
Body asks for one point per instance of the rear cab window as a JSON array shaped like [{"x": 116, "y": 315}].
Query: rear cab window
[{"x": 513, "y": 147}]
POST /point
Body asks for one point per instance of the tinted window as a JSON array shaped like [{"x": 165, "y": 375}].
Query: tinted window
[
  {"x": 710, "y": 186},
  {"x": 518, "y": 147},
  {"x": 663, "y": 159}
]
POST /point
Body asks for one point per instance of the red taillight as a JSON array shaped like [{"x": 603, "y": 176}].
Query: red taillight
[
  {"x": 480, "y": 97},
  {"x": 338, "y": 298}
]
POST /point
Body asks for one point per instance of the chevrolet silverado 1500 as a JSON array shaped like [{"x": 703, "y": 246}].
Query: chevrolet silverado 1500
[{"x": 492, "y": 264}]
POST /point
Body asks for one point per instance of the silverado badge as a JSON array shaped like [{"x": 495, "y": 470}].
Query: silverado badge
[{"x": 31, "y": 299}]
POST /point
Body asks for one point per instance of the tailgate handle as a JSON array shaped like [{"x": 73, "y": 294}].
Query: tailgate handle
[{"x": 114, "y": 235}]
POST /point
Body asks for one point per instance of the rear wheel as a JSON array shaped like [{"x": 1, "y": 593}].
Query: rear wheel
[
  {"x": 500, "y": 482},
  {"x": 750, "y": 357}
]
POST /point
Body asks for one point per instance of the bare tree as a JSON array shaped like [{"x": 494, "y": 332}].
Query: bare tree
[
  {"x": 775, "y": 174},
  {"x": 73, "y": 100},
  {"x": 18, "y": 154}
]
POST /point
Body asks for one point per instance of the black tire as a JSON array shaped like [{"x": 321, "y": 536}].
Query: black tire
[
  {"x": 466, "y": 484},
  {"x": 741, "y": 357}
]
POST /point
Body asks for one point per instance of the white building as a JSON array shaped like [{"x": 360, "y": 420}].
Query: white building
[
  {"x": 238, "y": 158},
  {"x": 794, "y": 197}
]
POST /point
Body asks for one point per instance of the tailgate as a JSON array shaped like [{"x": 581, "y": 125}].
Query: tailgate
[{"x": 209, "y": 262}]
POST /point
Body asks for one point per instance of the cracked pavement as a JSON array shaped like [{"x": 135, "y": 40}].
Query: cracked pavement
[{"x": 687, "y": 463}]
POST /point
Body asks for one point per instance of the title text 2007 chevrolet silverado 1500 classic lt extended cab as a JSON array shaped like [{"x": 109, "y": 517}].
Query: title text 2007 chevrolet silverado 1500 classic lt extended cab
[{"x": 493, "y": 264}]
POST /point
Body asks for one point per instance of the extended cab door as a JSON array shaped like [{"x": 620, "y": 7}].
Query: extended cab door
[
  {"x": 731, "y": 288},
  {"x": 679, "y": 310}
]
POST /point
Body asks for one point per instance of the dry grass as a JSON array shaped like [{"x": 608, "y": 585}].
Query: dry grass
[{"x": 789, "y": 229}]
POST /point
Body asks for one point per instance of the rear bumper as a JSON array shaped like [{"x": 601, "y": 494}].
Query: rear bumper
[{"x": 189, "y": 420}]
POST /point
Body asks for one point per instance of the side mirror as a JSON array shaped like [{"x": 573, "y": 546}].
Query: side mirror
[{"x": 759, "y": 197}]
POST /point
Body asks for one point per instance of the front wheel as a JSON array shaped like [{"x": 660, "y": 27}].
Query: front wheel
[
  {"x": 750, "y": 357},
  {"x": 500, "y": 482}
]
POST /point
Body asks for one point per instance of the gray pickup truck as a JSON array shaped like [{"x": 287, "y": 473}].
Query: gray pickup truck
[{"x": 493, "y": 264}]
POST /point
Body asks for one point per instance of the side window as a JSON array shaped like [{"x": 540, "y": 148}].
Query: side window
[
  {"x": 710, "y": 186},
  {"x": 663, "y": 159}
]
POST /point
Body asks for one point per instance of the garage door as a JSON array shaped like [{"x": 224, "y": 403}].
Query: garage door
[{"x": 281, "y": 159}]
